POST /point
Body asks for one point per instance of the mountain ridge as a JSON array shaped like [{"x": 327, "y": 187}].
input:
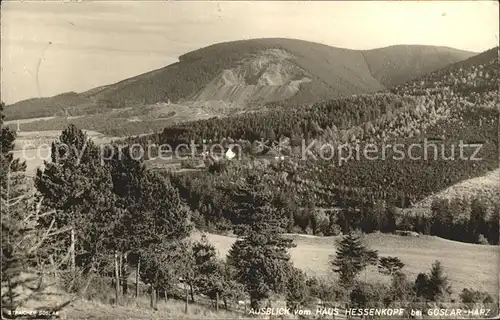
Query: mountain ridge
[{"x": 327, "y": 72}]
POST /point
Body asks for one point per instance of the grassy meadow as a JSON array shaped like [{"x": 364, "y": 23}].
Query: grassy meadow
[{"x": 466, "y": 265}]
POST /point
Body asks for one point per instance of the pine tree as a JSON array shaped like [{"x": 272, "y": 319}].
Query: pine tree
[
  {"x": 477, "y": 221},
  {"x": 152, "y": 210},
  {"x": 163, "y": 265},
  {"x": 261, "y": 258},
  {"x": 296, "y": 290},
  {"x": 79, "y": 187},
  {"x": 351, "y": 258},
  {"x": 389, "y": 223},
  {"x": 390, "y": 265},
  {"x": 207, "y": 272},
  {"x": 438, "y": 287}
]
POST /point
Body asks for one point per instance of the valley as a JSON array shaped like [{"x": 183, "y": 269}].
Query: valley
[{"x": 257, "y": 220}]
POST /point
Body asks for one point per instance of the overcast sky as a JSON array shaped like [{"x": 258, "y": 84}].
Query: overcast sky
[{"x": 54, "y": 47}]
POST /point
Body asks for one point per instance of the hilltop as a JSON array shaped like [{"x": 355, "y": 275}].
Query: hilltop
[{"x": 252, "y": 72}]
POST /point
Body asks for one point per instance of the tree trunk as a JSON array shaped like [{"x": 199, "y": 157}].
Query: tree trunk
[
  {"x": 117, "y": 279},
  {"x": 157, "y": 296},
  {"x": 225, "y": 303},
  {"x": 72, "y": 250},
  {"x": 152, "y": 297},
  {"x": 217, "y": 301},
  {"x": 12, "y": 307},
  {"x": 187, "y": 299},
  {"x": 125, "y": 275},
  {"x": 120, "y": 265},
  {"x": 166, "y": 295},
  {"x": 137, "y": 272},
  {"x": 120, "y": 270},
  {"x": 254, "y": 304},
  {"x": 192, "y": 292}
]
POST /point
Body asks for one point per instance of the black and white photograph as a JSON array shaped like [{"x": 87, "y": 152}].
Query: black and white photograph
[{"x": 250, "y": 159}]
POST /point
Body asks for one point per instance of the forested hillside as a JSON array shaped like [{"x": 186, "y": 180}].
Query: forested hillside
[
  {"x": 299, "y": 72},
  {"x": 397, "y": 64},
  {"x": 444, "y": 109}
]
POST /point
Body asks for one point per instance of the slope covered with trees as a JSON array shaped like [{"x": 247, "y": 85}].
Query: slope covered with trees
[
  {"x": 438, "y": 113},
  {"x": 397, "y": 64}
]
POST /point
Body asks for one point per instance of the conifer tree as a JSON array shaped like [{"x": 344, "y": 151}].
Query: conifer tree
[
  {"x": 438, "y": 287},
  {"x": 76, "y": 185},
  {"x": 421, "y": 286},
  {"x": 390, "y": 265},
  {"x": 153, "y": 214},
  {"x": 477, "y": 221},
  {"x": 261, "y": 258},
  {"x": 163, "y": 265},
  {"x": 296, "y": 289},
  {"x": 207, "y": 271},
  {"x": 352, "y": 256}
]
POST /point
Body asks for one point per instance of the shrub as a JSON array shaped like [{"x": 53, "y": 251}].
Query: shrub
[
  {"x": 481, "y": 239},
  {"x": 369, "y": 295},
  {"x": 472, "y": 297}
]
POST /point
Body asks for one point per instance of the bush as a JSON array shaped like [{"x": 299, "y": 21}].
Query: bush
[
  {"x": 369, "y": 295},
  {"x": 472, "y": 297},
  {"x": 333, "y": 229},
  {"x": 481, "y": 239},
  {"x": 325, "y": 290}
]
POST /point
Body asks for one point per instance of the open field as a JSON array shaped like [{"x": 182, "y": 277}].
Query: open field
[{"x": 467, "y": 265}]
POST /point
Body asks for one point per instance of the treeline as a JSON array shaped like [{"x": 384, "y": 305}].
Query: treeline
[
  {"x": 299, "y": 123},
  {"x": 108, "y": 124},
  {"x": 367, "y": 111},
  {"x": 475, "y": 77}
]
